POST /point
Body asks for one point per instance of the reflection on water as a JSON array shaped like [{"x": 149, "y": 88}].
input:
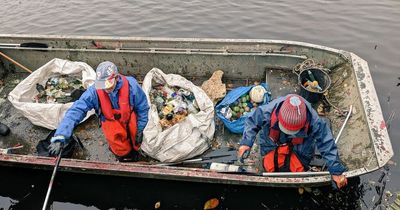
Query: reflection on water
[{"x": 75, "y": 191}]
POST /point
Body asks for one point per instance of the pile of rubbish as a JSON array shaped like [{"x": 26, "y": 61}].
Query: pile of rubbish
[
  {"x": 173, "y": 104},
  {"x": 59, "y": 89},
  {"x": 312, "y": 85},
  {"x": 245, "y": 104}
]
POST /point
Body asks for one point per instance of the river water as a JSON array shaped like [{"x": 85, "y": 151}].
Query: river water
[{"x": 369, "y": 28}]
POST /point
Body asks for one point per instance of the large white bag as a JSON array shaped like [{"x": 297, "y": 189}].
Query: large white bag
[
  {"x": 186, "y": 139},
  {"x": 42, "y": 114}
]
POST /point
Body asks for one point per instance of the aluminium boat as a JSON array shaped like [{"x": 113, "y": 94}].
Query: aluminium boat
[{"x": 364, "y": 145}]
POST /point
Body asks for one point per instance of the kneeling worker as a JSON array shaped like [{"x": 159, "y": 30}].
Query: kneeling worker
[
  {"x": 122, "y": 107},
  {"x": 289, "y": 129}
]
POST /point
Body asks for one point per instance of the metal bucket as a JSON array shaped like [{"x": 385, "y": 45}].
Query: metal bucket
[{"x": 323, "y": 79}]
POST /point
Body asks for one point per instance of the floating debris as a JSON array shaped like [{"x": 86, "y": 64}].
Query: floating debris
[
  {"x": 316, "y": 192},
  {"x": 59, "y": 89},
  {"x": 157, "y": 205},
  {"x": 301, "y": 190},
  {"x": 173, "y": 104},
  {"x": 211, "y": 204}
]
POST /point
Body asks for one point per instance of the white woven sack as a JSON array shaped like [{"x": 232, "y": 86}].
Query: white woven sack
[
  {"x": 186, "y": 139},
  {"x": 42, "y": 114}
]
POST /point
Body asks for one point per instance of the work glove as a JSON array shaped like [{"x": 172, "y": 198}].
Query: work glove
[
  {"x": 139, "y": 137},
  {"x": 243, "y": 152},
  {"x": 339, "y": 181},
  {"x": 57, "y": 142},
  {"x": 4, "y": 129}
]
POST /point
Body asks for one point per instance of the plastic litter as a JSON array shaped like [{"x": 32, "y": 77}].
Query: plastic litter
[
  {"x": 190, "y": 125},
  {"x": 173, "y": 104},
  {"x": 50, "y": 113},
  {"x": 257, "y": 94},
  {"x": 237, "y": 105},
  {"x": 59, "y": 89}
]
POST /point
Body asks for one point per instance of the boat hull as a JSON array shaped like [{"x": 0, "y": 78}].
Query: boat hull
[{"x": 242, "y": 60}]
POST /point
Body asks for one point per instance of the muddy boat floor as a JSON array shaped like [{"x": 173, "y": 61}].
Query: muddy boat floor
[{"x": 355, "y": 151}]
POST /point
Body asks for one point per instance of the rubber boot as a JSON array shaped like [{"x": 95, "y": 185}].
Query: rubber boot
[{"x": 4, "y": 130}]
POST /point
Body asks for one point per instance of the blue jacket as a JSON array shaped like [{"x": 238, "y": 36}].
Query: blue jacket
[
  {"x": 89, "y": 100},
  {"x": 319, "y": 134}
]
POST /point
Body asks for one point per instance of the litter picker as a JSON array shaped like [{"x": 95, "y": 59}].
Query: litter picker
[{"x": 58, "y": 160}]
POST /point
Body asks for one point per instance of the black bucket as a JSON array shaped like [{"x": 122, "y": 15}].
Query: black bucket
[{"x": 323, "y": 79}]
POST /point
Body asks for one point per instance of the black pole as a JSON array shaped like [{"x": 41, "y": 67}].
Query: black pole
[{"x": 52, "y": 179}]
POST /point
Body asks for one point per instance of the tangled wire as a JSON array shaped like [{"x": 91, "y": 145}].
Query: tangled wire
[{"x": 306, "y": 64}]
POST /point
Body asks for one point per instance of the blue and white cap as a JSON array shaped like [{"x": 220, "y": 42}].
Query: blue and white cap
[{"x": 106, "y": 73}]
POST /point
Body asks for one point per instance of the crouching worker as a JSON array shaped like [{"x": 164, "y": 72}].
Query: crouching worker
[
  {"x": 122, "y": 107},
  {"x": 289, "y": 130}
]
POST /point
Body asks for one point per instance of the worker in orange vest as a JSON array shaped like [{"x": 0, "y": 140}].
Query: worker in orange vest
[
  {"x": 122, "y": 107},
  {"x": 289, "y": 129}
]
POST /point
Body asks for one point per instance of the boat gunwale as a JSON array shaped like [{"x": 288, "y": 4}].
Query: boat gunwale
[
  {"x": 169, "y": 172},
  {"x": 372, "y": 110},
  {"x": 159, "y": 51},
  {"x": 166, "y": 39}
]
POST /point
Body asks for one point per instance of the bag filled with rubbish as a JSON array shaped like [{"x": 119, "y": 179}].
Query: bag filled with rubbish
[
  {"x": 48, "y": 92},
  {"x": 59, "y": 89},
  {"x": 181, "y": 118},
  {"x": 68, "y": 151},
  {"x": 239, "y": 103}
]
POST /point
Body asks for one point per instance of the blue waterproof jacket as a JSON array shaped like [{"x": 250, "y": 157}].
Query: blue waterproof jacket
[
  {"x": 89, "y": 100},
  {"x": 319, "y": 135}
]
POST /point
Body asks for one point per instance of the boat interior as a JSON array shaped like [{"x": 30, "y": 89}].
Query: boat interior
[{"x": 243, "y": 64}]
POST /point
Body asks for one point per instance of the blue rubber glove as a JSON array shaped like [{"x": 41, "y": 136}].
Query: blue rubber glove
[{"x": 57, "y": 142}]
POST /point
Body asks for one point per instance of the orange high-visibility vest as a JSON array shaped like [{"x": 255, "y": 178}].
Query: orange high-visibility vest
[
  {"x": 282, "y": 158},
  {"x": 120, "y": 126}
]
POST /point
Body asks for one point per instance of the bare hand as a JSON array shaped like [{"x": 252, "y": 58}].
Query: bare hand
[
  {"x": 340, "y": 180},
  {"x": 242, "y": 149}
]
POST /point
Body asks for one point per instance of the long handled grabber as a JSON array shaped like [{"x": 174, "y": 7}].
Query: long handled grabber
[{"x": 58, "y": 160}]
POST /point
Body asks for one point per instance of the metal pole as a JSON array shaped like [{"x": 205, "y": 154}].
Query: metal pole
[
  {"x": 52, "y": 179},
  {"x": 345, "y": 122}
]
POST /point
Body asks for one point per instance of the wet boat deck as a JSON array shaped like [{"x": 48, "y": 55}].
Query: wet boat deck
[{"x": 354, "y": 150}]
